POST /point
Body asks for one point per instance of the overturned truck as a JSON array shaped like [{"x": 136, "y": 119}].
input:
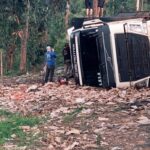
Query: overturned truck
[{"x": 111, "y": 51}]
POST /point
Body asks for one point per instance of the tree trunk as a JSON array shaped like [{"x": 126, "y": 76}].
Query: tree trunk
[
  {"x": 1, "y": 64},
  {"x": 139, "y": 5},
  {"x": 67, "y": 14},
  {"x": 113, "y": 7},
  {"x": 23, "y": 52},
  {"x": 10, "y": 56},
  {"x": 24, "y": 38}
]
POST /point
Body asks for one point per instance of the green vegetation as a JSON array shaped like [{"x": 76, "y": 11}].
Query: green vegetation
[
  {"x": 71, "y": 116},
  {"x": 10, "y": 127},
  {"x": 46, "y": 26}
]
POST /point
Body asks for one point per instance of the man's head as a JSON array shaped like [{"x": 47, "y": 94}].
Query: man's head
[
  {"x": 66, "y": 44},
  {"x": 48, "y": 48}
]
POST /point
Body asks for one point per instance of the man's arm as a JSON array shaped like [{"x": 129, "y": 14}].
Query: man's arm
[{"x": 54, "y": 54}]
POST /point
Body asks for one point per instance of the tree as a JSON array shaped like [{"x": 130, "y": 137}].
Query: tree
[
  {"x": 114, "y": 7},
  {"x": 24, "y": 37},
  {"x": 139, "y": 5},
  {"x": 67, "y": 14},
  {"x": 1, "y": 63},
  {"x": 10, "y": 56}
]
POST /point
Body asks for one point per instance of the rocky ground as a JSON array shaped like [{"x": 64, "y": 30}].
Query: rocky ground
[{"x": 80, "y": 118}]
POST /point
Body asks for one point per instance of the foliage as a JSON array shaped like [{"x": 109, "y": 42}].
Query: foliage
[
  {"x": 46, "y": 24},
  {"x": 77, "y": 8},
  {"x": 11, "y": 123},
  {"x": 117, "y": 6}
]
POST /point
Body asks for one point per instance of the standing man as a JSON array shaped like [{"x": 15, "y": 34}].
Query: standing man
[
  {"x": 67, "y": 61},
  {"x": 100, "y": 7},
  {"x": 50, "y": 61},
  {"x": 89, "y": 8}
]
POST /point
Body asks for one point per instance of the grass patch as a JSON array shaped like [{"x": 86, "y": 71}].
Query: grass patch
[
  {"x": 72, "y": 115},
  {"x": 11, "y": 126},
  {"x": 11, "y": 73},
  {"x": 4, "y": 113}
]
